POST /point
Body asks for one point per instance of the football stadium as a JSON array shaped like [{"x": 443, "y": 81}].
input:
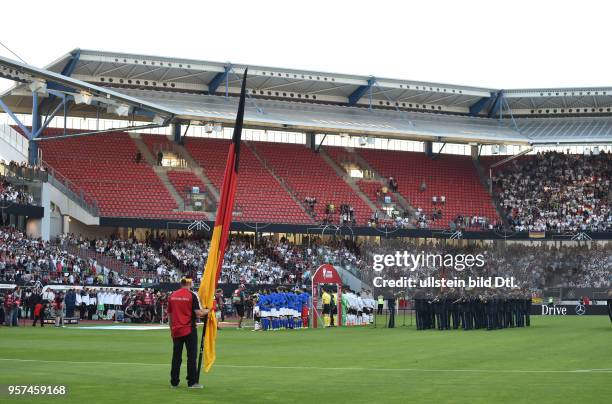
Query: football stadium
[{"x": 184, "y": 230}]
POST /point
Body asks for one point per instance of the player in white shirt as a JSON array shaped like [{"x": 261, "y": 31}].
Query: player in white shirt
[
  {"x": 48, "y": 295},
  {"x": 84, "y": 304},
  {"x": 118, "y": 302}
]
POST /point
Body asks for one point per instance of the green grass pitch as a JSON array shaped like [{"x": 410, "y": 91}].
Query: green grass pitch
[{"x": 557, "y": 360}]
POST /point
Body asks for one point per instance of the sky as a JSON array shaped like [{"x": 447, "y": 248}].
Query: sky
[{"x": 493, "y": 44}]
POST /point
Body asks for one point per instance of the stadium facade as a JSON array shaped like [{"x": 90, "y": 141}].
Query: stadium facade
[{"x": 87, "y": 116}]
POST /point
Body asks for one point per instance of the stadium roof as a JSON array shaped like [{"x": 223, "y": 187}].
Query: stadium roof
[{"x": 302, "y": 100}]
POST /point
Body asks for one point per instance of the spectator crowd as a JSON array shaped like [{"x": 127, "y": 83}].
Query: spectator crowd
[
  {"x": 556, "y": 192},
  {"x": 10, "y": 193}
]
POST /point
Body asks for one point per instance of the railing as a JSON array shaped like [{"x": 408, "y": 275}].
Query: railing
[
  {"x": 14, "y": 138},
  {"x": 71, "y": 190},
  {"x": 24, "y": 173}
]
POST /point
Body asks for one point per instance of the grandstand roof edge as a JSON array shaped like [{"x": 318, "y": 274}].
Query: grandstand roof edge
[
  {"x": 38, "y": 73},
  {"x": 509, "y": 90},
  {"x": 292, "y": 70}
]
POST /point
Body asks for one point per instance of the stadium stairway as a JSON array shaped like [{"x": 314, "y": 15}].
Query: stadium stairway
[
  {"x": 309, "y": 175},
  {"x": 160, "y": 171},
  {"x": 282, "y": 183},
  {"x": 178, "y": 178},
  {"x": 367, "y": 186},
  {"x": 198, "y": 172},
  {"x": 347, "y": 178},
  {"x": 260, "y": 198}
]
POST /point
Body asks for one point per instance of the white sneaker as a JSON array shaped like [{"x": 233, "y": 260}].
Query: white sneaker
[{"x": 195, "y": 386}]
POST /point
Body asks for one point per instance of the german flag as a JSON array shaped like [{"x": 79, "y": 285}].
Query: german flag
[{"x": 218, "y": 242}]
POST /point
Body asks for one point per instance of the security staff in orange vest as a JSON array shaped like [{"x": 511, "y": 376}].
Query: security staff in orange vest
[{"x": 183, "y": 310}]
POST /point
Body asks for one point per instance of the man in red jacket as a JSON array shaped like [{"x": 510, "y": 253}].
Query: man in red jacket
[
  {"x": 39, "y": 314},
  {"x": 183, "y": 310}
]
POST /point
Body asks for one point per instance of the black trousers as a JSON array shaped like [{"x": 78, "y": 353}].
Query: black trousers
[
  {"x": 40, "y": 318},
  {"x": 191, "y": 344}
]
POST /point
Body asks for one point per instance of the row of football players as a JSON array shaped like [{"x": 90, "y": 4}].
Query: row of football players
[
  {"x": 281, "y": 310},
  {"x": 358, "y": 307}
]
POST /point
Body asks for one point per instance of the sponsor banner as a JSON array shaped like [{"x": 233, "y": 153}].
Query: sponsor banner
[
  {"x": 67, "y": 320},
  {"x": 560, "y": 310}
]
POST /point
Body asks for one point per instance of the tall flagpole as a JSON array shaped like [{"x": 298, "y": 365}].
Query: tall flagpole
[
  {"x": 201, "y": 350},
  {"x": 223, "y": 220}
]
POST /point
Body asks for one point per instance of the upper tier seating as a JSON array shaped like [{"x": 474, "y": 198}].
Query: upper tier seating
[
  {"x": 452, "y": 176},
  {"x": 369, "y": 187},
  {"x": 183, "y": 181},
  {"x": 156, "y": 142},
  {"x": 259, "y": 197},
  {"x": 309, "y": 175},
  {"x": 104, "y": 166}
]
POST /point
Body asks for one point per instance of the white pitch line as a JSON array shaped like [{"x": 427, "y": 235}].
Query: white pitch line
[{"x": 361, "y": 369}]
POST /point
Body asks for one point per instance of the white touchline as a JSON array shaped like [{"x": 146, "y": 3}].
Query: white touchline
[{"x": 327, "y": 368}]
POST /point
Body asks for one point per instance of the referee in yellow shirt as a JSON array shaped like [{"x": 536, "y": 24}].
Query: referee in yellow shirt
[{"x": 326, "y": 298}]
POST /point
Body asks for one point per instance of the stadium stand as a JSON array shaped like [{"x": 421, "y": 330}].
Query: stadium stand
[
  {"x": 375, "y": 188},
  {"x": 183, "y": 181},
  {"x": 309, "y": 175},
  {"x": 10, "y": 193},
  {"x": 76, "y": 260},
  {"x": 156, "y": 143},
  {"x": 451, "y": 176},
  {"x": 125, "y": 188},
  {"x": 556, "y": 192},
  {"x": 104, "y": 167},
  {"x": 259, "y": 196}
]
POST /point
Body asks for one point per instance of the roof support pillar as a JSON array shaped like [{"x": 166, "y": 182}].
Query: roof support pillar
[
  {"x": 428, "y": 147},
  {"x": 479, "y": 105},
  {"x": 218, "y": 79},
  {"x": 360, "y": 92},
  {"x": 311, "y": 140},
  {"x": 497, "y": 106},
  {"x": 15, "y": 119},
  {"x": 36, "y": 125},
  {"x": 475, "y": 151},
  {"x": 176, "y": 132},
  {"x": 66, "y": 71}
]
